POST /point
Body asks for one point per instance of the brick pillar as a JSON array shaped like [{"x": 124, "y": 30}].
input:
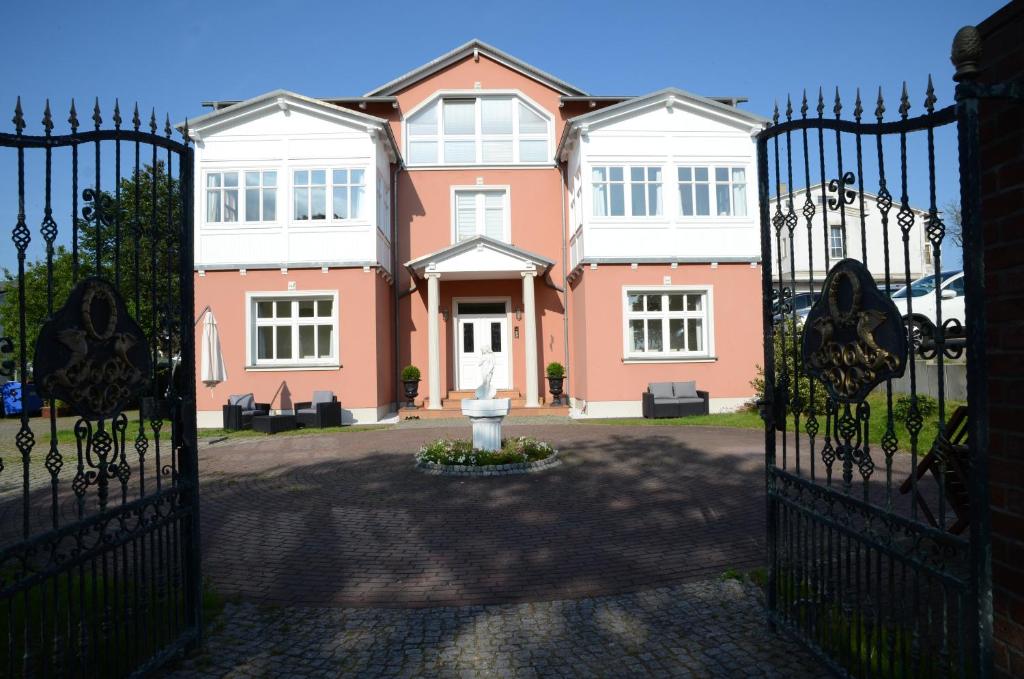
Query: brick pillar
[{"x": 1002, "y": 214}]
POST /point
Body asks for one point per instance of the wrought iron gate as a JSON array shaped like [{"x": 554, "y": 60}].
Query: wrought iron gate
[
  {"x": 878, "y": 525},
  {"x": 99, "y": 565}
]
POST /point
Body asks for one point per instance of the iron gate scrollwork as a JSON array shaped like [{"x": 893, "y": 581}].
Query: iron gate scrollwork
[
  {"x": 100, "y": 571},
  {"x": 878, "y": 527}
]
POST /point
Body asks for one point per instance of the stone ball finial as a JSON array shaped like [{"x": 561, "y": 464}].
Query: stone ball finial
[{"x": 966, "y": 52}]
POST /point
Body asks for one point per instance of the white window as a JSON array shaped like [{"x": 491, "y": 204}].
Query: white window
[
  {"x": 696, "y": 199},
  {"x": 310, "y": 187},
  {"x": 337, "y": 194},
  {"x": 645, "y": 191},
  {"x": 612, "y": 199},
  {"x": 667, "y": 323},
  {"x": 348, "y": 189},
  {"x": 294, "y": 330},
  {"x": 609, "y": 187},
  {"x": 836, "y": 244},
  {"x": 383, "y": 205},
  {"x": 260, "y": 196},
  {"x": 221, "y": 197},
  {"x": 490, "y": 130},
  {"x": 481, "y": 213}
]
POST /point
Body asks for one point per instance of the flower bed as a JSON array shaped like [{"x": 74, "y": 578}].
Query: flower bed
[{"x": 458, "y": 457}]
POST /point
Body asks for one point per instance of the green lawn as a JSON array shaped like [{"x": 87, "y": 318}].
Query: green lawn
[
  {"x": 749, "y": 419},
  {"x": 249, "y": 433}
]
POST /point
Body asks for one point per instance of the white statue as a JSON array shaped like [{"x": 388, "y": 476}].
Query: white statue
[{"x": 486, "y": 390}]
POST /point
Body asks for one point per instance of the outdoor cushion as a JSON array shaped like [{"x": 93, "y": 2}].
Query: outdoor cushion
[
  {"x": 689, "y": 400},
  {"x": 685, "y": 389},
  {"x": 322, "y": 397},
  {"x": 663, "y": 400},
  {"x": 247, "y": 401},
  {"x": 253, "y": 412},
  {"x": 660, "y": 389},
  {"x": 306, "y": 411}
]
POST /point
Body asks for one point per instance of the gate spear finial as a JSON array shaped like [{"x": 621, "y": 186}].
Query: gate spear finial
[
  {"x": 96, "y": 118},
  {"x": 152, "y": 121},
  {"x": 19, "y": 118},
  {"x": 803, "y": 106},
  {"x": 880, "y": 105},
  {"x": 789, "y": 108},
  {"x": 837, "y": 108},
  {"x": 167, "y": 125},
  {"x": 117, "y": 114},
  {"x": 858, "y": 109},
  {"x": 930, "y": 98},
  {"x": 73, "y": 117},
  {"x": 136, "y": 121},
  {"x": 47, "y": 118},
  {"x": 821, "y": 102},
  {"x": 904, "y": 102},
  {"x": 775, "y": 113}
]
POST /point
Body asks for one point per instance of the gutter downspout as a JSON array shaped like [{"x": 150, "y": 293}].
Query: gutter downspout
[
  {"x": 394, "y": 288},
  {"x": 563, "y": 170}
]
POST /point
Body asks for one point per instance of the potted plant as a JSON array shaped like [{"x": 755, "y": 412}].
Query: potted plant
[
  {"x": 556, "y": 378},
  {"x": 411, "y": 383}
]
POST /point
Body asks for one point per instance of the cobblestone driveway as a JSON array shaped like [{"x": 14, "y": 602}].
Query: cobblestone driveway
[
  {"x": 344, "y": 519},
  {"x": 708, "y": 630}
]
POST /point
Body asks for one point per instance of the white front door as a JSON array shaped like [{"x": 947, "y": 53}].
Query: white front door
[{"x": 473, "y": 334}]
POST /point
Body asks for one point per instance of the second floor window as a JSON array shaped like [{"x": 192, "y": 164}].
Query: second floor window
[
  {"x": 260, "y": 196},
  {"x": 222, "y": 197},
  {"x": 696, "y": 198},
  {"x": 837, "y": 246},
  {"x": 611, "y": 198},
  {"x": 480, "y": 213},
  {"x": 490, "y": 130},
  {"x": 314, "y": 202}
]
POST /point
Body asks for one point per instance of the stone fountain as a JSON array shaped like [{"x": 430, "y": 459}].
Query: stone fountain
[{"x": 486, "y": 412}]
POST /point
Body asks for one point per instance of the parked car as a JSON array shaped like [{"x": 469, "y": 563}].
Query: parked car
[
  {"x": 923, "y": 317},
  {"x": 801, "y": 303}
]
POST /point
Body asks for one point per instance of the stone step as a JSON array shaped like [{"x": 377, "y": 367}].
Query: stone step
[
  {"x": 459, "y": 394},
  {"x": 456, "y": 403}
]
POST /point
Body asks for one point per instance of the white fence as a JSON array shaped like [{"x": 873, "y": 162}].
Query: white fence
[{"x": 927, "y": 375}]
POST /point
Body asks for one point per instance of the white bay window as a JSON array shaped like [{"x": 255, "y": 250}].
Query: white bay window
[
  {"x": 706, "y": 191},
  {"x": 667, "y": 323},
  {"x": 293, "y": 330},
  {"x": 328, "y": 193},
  {"x": 620, "y": 190}
]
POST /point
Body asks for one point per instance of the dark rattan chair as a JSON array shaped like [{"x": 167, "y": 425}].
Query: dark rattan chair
[
  {"x": 323, "y": 411},
  {"x": 239, "y": 410}
]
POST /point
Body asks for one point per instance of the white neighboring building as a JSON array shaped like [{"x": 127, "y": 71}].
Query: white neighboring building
[{"x": 918, "y": 246}]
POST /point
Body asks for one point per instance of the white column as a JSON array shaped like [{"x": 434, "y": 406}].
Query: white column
[
  {"x": 530, "y": 316},
  {"x": 433, "y": 341}
]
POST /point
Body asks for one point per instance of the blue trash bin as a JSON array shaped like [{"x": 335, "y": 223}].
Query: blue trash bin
[{"x": 11, "y": 399}]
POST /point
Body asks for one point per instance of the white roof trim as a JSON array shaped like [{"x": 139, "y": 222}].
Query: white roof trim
[
  {"x": 669, "y": 95},
  {"x": 282, "y": 99},
  {"x": 473, "y": 48}
]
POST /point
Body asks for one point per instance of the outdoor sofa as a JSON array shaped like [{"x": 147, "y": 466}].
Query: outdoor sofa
[
  {"x": 323, "y": 411},
  {"x": 239, "y": 410},
  {"x": 674, "y": 399}
]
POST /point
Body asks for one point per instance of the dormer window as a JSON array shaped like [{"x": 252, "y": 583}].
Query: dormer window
[{"x": 487, "y": 130}]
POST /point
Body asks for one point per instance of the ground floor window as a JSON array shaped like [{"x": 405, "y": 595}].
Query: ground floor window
[
  {"x": 298, "y": 330},
  {"x": 667, "y": 322}
]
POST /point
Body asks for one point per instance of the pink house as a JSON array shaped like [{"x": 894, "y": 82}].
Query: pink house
[{"x": 475, "y": 202}]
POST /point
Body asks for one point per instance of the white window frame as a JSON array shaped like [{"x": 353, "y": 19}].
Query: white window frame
[
  {"x": 383, "y": 206},
  {"x": 479, "y": 137},
  {"x": 665, "y": 355},
  {"x": 240, "y": 197},
  {"x": 262, "y": 188},
  {"x": 627, "y": 182},
  {"x": 329, "y": 191},
  {"x": 482, "y": 189},
  {"x": 833, "y": 231},
  {"x": 712, "y": 182},
  {"x": 254, "y": 363}
]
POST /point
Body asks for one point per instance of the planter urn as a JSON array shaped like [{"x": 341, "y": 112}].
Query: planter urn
[
  {"x": 555, "y": 387},
  {"x": 412, "y": 389}
]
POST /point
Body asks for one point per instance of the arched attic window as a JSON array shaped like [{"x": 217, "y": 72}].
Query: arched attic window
[{"x": 478, "y": 130}]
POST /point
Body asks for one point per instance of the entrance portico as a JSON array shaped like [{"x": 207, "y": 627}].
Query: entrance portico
[{"x": 481, "y": 259}]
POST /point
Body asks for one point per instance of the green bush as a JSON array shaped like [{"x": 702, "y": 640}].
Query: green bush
[
  {"x": 784, "y": 364},
  {"x": 461, "y": 452},
  {"x": 410, "y": 373},
  {"x": 926, "y": 407},
  {"x": 555, "y": 370}
]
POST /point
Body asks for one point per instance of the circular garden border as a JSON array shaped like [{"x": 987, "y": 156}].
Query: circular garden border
[{"x": 490, "y": 470}]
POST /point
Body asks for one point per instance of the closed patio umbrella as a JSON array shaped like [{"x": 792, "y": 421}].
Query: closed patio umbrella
[{"x": 211, "y": 366}]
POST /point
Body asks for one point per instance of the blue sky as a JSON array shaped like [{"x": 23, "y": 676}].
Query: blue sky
[{"x": 173, "y": 55}]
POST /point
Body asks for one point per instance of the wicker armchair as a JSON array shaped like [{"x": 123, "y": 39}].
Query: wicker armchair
[
  {"x": 323, "y": 411},
  {"x": 239, "y": 410}
]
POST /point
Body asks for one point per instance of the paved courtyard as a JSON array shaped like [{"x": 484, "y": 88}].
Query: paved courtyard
[
  {"x": 345, "y": 520},
  {"x": 339, "y": 559}
]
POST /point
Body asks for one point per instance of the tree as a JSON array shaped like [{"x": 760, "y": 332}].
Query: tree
[
  {"x": 134, "y": 243},
  {"x": 954, "y": 222}
]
